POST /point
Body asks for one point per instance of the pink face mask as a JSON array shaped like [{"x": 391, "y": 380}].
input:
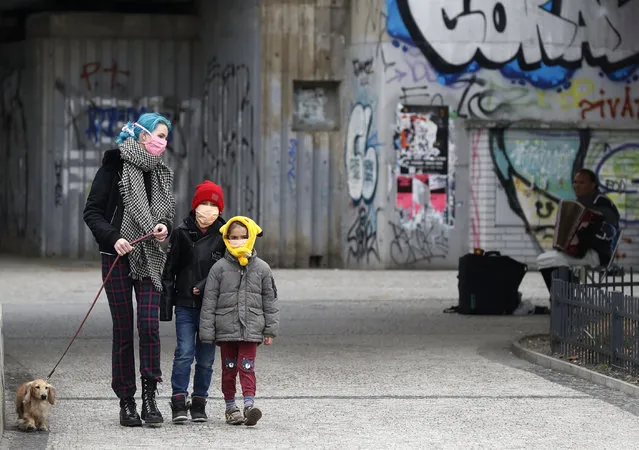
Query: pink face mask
[{"x": 156, "y": 145}]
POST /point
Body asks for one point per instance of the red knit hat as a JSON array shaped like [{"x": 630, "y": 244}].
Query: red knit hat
[{"x": 208, "y": 191}]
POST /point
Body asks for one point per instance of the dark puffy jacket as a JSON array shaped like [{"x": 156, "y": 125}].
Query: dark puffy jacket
[
  {"x": 104, "y": 207},
  {"x": 191, "y": 256}
]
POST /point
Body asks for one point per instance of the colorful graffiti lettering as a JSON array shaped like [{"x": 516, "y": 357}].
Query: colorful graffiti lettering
[
  {"x": 616, "y": 163},
  {"x": 482, "y": 96},
  {"x": 104, "y": 123},
  {"x": 558, "y": 29},
  {"x": 460, "y": 37},
  {"x": 107, "y": 121},
  {"x": 536, "y": 168},
  {"x": 612, "y": 107},
  {"x": 475, "y": 223}
]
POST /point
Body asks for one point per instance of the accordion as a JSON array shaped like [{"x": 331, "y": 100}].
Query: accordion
[{"x": 576, "y": 228}]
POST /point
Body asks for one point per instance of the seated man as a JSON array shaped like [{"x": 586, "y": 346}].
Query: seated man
[{"x": 600, "y": 252}]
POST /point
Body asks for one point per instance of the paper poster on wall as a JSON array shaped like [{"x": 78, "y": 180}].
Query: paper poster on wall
[
  {"x": 421, "y": 147},
  {"x": 421, "y": 139}
]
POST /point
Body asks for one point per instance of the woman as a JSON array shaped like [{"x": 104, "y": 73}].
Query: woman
[{"x": 131, "y": 196}]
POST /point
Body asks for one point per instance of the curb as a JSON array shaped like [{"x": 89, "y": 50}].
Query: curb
[{"x": 572, "y": 369}]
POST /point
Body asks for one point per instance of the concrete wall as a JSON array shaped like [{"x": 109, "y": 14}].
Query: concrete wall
[
  {"x": 519, "y": 90},
  {"x": 18, "y": 201},
  {"x": 303, "y": 46},
  {"x": 83, "y": 77},
  {"x": 254, "y": 89},
  {"x": 230, "y": 92},
  {"x": 360, "y": 134}
]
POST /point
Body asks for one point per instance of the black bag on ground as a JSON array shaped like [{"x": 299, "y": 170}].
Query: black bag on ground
[{"x": 489, "y": 283}]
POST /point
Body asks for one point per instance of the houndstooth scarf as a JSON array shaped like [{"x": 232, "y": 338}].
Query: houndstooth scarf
[{"x": 147, "y": 258}]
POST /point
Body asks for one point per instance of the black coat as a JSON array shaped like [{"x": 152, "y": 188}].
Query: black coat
[
  {"x": 602, "y": 242},
  {"x": 104, "y": 207},
  {"x": 191, "y": 256}
]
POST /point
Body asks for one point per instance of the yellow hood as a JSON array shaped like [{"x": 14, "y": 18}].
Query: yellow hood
[{"x": 242, "y": 253}]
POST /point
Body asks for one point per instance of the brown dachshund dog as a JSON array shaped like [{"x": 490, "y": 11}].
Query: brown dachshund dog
[{"x": 33, "y": 401}]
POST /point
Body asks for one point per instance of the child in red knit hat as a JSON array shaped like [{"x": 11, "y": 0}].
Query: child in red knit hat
[{"x": 196, "y": 245}]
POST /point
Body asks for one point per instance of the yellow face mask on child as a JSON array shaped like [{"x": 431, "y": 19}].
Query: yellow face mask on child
[{"x": 242, "y": 249}]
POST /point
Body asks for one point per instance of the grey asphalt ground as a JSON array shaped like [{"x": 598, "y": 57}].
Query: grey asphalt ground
[{"x": 364, "y": 360}]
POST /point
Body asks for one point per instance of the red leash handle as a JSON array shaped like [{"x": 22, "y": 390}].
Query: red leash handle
[{"x": 106, "y": 278}]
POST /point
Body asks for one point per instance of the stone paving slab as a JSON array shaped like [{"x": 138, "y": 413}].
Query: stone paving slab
[{"x": 364, "y": 360}]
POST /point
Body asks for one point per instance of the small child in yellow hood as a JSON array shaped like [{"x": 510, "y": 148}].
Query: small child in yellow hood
[{"x": 240, "y": 310}]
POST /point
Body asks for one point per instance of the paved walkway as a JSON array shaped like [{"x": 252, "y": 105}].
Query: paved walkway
[{"x": 364, "y": 360}]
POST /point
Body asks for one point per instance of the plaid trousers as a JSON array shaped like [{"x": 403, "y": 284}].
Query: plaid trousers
[{"x": 119, "y": 290}]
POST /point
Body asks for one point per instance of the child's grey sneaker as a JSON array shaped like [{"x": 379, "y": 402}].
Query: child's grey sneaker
[
  {"x": 234, "y": 416},
  {"x": 251, "y": 415},
  {"x": 198, "y": 409}
]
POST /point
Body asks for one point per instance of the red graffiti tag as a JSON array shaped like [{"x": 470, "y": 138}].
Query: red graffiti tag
[
  {"x": 612, "y": 107},
  {"x": 475, "y": 223},
  {"x": 93, "y": 68}
]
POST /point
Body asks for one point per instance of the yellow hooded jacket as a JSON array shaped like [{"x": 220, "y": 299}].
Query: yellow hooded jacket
[{"x": 242, "y": 253}]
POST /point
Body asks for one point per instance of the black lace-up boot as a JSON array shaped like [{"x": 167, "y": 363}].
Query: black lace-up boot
[
  {"x": 129, "y": 416},
  {"x": 150, "y": 412}
]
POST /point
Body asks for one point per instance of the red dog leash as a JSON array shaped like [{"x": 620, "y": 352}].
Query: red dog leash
[{"x": 106, "y": 278}]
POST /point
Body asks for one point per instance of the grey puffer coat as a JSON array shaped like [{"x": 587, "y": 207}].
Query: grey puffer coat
[{"x": 240, "y": 303}]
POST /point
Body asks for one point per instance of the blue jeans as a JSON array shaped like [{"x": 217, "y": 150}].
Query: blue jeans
[{"x": 189, "y": 347}]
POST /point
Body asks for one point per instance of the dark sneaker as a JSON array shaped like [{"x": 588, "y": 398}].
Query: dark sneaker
[
  {"x": 251, "y": 415},
  {"x": 234, "y": 416},
  {"x": 129, "y": 416},
  {"x": 198, "y": 409},
  {"x": 179, "y": 408}
]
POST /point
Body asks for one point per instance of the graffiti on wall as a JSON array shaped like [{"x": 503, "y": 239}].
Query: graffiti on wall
[
  {"x": 611, "y": 107},
  {"x": 536, "y": 168},
  {"x": 569, "y": 58},
  {"x": 362, "y": 170},
  {"x": 552, "y": 34},
  {"x": 292, "y": 164},
  {"x": 14, "y": 159},
  {"x": 615, "y": 161},
  {"x": 105, "y": 122},
  {"x": 361, "y": 154},
  {"x": 421, "y": 237},
  {"x": 229, "y": 155},
  {"x": 363, "y": 70},
  {"x": 99, "y": 76},
  {"x": 533, "y": 60},
  {"x": 361, "y": 236},
  {"x": 475, "y": 173},
  {"x": 95, "y": 110}
]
